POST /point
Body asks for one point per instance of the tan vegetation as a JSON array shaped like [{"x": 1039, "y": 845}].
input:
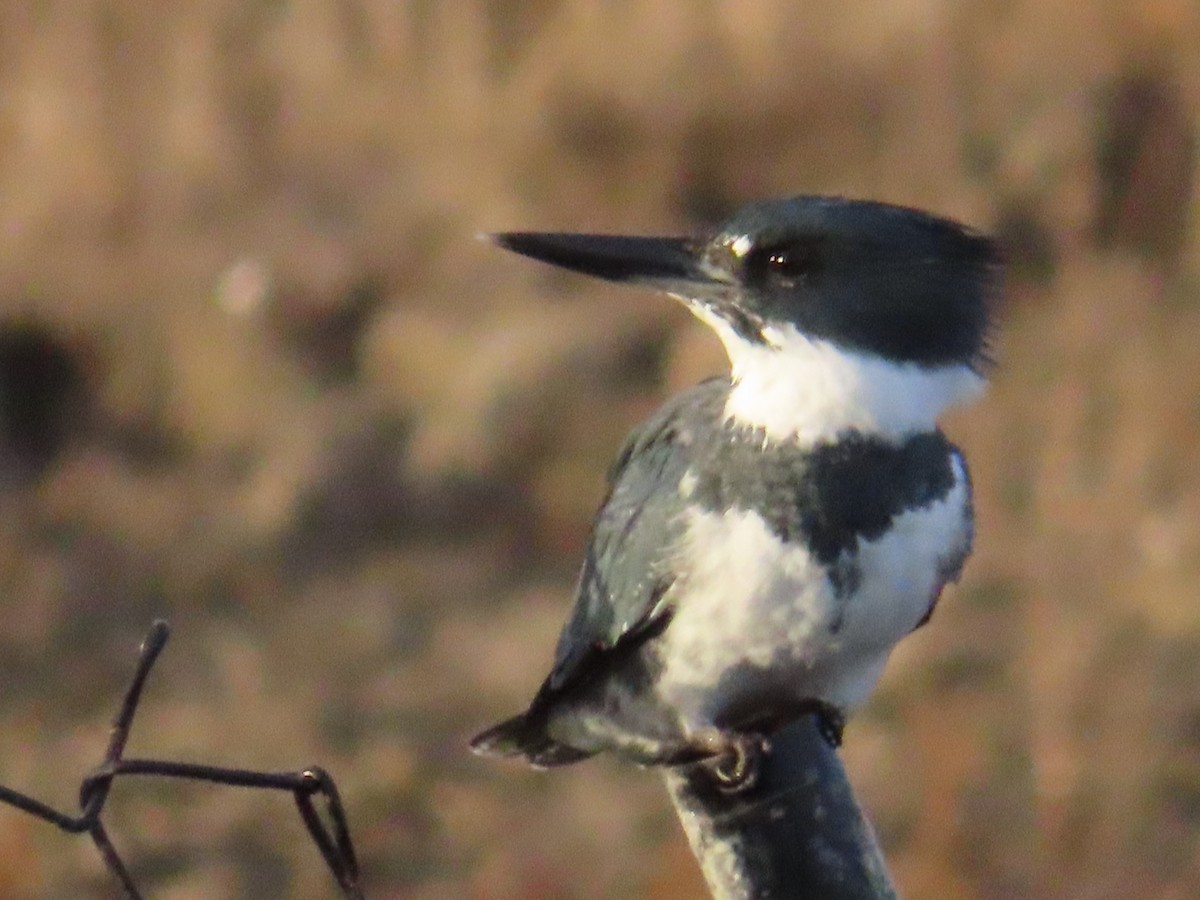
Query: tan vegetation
[{"x": 282, "y": 397}]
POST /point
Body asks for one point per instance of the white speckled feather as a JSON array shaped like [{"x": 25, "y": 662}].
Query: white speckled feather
[{"x": 768, "y": 604}]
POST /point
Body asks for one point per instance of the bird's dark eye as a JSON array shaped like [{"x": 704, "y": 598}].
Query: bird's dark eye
[{"x": 786, "y": 265}]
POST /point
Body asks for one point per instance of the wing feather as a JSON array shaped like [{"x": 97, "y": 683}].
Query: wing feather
[{"x": 623, "y": 591}]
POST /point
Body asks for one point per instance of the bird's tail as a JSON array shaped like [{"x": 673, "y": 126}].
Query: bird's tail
[{"x": 525, "y": 735}]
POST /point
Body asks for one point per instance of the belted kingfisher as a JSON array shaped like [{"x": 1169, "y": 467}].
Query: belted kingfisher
[{"x": 768, "y": 537}]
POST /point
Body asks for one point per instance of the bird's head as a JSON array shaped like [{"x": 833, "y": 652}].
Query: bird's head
[
  {"x": 868, "y": 277},
  {"x": 810, "y": 276}
]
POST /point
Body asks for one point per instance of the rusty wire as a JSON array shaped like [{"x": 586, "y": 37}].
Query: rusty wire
[{"x": 328, "y": 827}]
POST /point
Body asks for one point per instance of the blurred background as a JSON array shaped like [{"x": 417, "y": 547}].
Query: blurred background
[{"x": 258, "y": 377}]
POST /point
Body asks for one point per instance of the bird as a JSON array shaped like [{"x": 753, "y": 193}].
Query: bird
[{"x": 768, "y": 536}]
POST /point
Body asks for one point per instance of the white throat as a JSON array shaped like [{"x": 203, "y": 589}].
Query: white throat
[{"x": 808, "y": 390}]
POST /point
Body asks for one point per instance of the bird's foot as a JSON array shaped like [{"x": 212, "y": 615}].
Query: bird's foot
[
  {"x": 736, "y": 762},
  {"x": 831, "y": 723}
]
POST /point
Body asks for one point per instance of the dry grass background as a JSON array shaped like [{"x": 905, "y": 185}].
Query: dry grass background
[{"x": 256, "y": 376}]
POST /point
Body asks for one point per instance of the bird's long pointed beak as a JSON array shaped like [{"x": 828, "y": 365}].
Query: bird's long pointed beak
[{"x": 664, "y": 263}]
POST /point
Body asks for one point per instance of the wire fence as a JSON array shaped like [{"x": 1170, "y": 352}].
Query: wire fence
[{"x": 313, "y": 789}]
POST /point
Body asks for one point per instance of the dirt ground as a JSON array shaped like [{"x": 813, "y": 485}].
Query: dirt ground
[{"x": 258, "y": 377}]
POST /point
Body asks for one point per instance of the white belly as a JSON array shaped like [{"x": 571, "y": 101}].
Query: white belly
[{"x": 748, "y": 601}]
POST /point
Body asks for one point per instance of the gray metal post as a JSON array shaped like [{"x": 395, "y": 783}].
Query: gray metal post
[{"x": 797, "y": 832}]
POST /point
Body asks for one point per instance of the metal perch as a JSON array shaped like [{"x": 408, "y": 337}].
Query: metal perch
[{"x": 796, "y": 831}]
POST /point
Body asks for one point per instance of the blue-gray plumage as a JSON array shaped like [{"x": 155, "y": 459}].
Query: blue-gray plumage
[{"x": 768, "y": 537}]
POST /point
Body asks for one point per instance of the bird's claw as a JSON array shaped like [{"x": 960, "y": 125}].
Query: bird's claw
[
  {"x": 831, "y": 723},
  {"x": 736, "y": 767}
]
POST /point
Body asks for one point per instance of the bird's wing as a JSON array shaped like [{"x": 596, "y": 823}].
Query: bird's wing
[{"x": 623, "y": 592}]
